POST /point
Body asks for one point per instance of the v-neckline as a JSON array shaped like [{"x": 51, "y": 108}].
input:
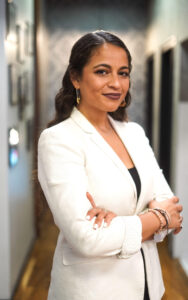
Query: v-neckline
[
  {"x": 119, "y": 140},
  {"x": 99, "y": 140},
  {"x": 111, "y": 121}
]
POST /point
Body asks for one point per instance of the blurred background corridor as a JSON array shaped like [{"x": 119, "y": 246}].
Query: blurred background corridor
[{"x": 36, "y": 37}]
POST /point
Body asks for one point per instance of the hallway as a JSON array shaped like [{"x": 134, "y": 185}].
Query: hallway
[
  {"x": 36, "y": 38},
  {"x": 36, "y": 277}
]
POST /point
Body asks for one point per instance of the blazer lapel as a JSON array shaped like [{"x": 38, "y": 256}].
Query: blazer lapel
[
  {"x": 133, "y": 149},
  {"x": 96, "y": 138},
  {"x": 131, "y": 144}
]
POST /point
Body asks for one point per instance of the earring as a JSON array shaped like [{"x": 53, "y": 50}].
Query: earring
[
  {"x": 123, "y": 103},
  {"x": 77, "y": 96}
]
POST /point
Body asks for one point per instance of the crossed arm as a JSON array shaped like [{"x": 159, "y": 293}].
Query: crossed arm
[{"x": 150, "y": 222}]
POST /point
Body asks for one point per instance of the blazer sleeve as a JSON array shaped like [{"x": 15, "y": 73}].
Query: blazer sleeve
[
  {"x": 161, "y": 189},
  {"x": 62, "y": 176}
]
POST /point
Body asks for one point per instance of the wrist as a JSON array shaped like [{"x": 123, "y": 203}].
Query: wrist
[
  {"x": 150, "y": 224},
  {"x": 163, "y": 223},
  {"x": 166, "y": 215}
]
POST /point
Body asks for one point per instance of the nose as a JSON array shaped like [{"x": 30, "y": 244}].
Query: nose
[{"x": 114, "y": 81}]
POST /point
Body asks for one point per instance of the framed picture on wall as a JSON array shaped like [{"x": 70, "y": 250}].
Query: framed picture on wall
[
  {"x": 31, "y": 39},
  {"x": 11, "y": 12},
  {"x": 12, "y": 83},
  {"x": 13, "y": 145},
  {"x": 32, "y": 86},
  {"x": 21, "y": 96},
  {"x": 26, "y": 86},
  {"x": 29, "y": 134},
  {"x": 21, "y": 43},
  {"x": 26, "y": 37}
]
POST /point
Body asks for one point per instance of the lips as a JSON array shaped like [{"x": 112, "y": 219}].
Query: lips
[{"x": 113, "y": 96}]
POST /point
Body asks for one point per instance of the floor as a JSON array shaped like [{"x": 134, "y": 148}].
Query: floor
[{"x": 36, "y": 276}]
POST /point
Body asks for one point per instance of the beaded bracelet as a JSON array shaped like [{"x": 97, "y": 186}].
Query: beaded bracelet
[
  {"x": 159, "y": 215},
  {"x": 165, "y": 215}
]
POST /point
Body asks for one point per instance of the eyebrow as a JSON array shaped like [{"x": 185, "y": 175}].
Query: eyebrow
[{"x": 109, "y": 67}]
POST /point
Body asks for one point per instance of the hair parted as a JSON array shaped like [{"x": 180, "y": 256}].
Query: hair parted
[{"x": 81, "y": 52}]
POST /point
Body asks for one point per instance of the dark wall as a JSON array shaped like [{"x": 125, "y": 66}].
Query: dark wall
[{"x": 67, "y": 21}]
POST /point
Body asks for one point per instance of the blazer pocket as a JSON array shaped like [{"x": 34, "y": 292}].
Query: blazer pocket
[{"x": 71, "y": 257}]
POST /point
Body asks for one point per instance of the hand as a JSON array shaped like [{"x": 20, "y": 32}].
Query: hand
[
  {"x": 101, "y": 214},
  {"x": 173, "y": 208}
]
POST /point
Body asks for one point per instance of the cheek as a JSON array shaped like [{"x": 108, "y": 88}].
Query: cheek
[
  {"x": 126, "y": 85},
  {"x": 94, "y": 85}
]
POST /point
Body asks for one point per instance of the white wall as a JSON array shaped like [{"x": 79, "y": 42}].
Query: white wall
[
  {"x": 181, "y": 242},
  {"x": 4, "y": 205},
  {"x": 17, "y": 204},
  {"x": 168, "y": 28}
]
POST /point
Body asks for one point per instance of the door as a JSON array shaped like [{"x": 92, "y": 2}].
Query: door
[
  {"x": 165, "y": 132},
  {"x": 149, "y": 99}
]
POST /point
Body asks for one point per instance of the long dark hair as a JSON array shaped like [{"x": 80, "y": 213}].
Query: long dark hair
[{"x": 81, "y": 52}]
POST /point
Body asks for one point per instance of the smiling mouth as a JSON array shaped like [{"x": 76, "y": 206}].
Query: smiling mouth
[{"x": 113, "y": 96}]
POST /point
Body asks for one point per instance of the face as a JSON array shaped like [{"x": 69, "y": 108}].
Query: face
[{"x": 105, "y": 80}]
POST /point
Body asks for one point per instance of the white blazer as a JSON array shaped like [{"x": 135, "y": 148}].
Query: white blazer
[{"x": 89, "y": 264}]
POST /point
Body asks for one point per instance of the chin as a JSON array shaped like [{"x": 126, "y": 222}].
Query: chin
[{"x": 113, "y": 109}]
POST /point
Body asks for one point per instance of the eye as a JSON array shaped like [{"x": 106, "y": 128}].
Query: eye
[
  {"x": 124, "y": 74},
  {"x": 101, "y": 72}
]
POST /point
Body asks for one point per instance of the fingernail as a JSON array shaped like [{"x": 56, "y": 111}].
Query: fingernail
[
  {"x": 87, "y": 217},
  {"x": 105, "y": 224},
  {"x": 95, "y": 226}
]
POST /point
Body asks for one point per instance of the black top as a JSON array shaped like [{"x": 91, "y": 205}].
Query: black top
[
  {"x": 133, "y": 172},
  {"x": 136, "y": 178}
]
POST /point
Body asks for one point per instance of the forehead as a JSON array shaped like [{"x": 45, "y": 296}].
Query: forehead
[{"x": 111, "y": 54}]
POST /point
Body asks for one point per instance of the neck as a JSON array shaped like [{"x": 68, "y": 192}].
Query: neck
[{"x": 97, "y": 118}]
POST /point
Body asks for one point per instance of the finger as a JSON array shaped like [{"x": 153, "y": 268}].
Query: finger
[
  {"x": 176, "y": 231},
  {"x": 175, "y": 199},
  {"x": 93, "y": 212},
  {"x": 109, "y": 217},
  {"x": 179, "y": 208},
  {"x": 181, "y": 219},
  {"x": 89, "y": 197},
  {"x": 99, "y": 219},
  {"x": 152, "y": 203}
]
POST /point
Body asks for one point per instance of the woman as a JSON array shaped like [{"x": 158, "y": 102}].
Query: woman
[{"x": 99, "y": 176}]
